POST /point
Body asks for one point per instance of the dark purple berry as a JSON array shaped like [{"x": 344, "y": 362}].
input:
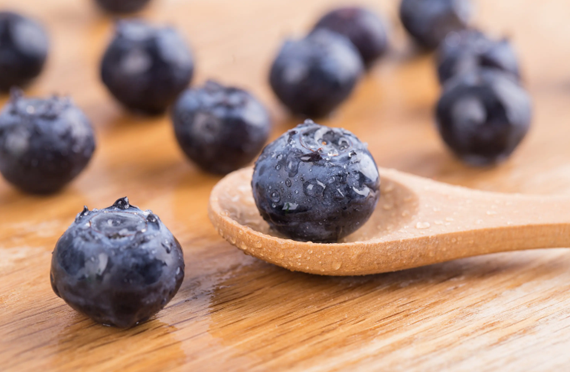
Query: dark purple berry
[
  {"x": 468, "y": 50},
  {"x": 146, "y": 67},
  {"x": 314, "y": 75},
  {"x": 429, "y": 21},
  {"x": 122, "y": 6},
  {"x": 119, "y": 265},
  {"x": 365, "y": 29},
  {"x": 44, "y": 143},
  {"x": 316, "y": 183},
  {"x": 483, "y": 116},
  {"x": 220, "y": 128},
  {"x": 23, "y": 50}
]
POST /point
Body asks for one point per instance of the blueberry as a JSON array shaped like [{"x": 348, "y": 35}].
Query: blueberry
[
  {"x": 23, "y": 50},
  {"x": 146, "y": 67},
  {"x": 44, "y": 143},
  {"x": 429, "y": 21},
  {"x": 122, "y": 6},
  {"x": 316, "y": 183},
  {"x": 467, "y": 50},
  {"x": 365, "y": 29},
  {"x": 483, "y": 116},
  {"x": 220, "y": 128},
  {"x": 314, "y": 75},
  {"x": 119, "y": 265}
]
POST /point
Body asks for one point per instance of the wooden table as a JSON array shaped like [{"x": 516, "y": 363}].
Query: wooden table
[{"x": 233, "y": 312}]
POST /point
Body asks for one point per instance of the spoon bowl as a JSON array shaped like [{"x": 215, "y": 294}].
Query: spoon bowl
[{"x": 417, "y": 222}]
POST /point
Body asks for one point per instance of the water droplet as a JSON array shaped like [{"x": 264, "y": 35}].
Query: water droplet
[
  {"x": 387, "y": 206},
  {"x": 438, "y": 222},
  {"x": 166, "y": 244},
  {"x": 178, "y": 271},
  {"x": 449, "y": 219},
  {"x": 288, "y": 182},
  {"x": 479, "y": 222},
  {"x": 336, "y": 265},
  {"x": 423, "y": 225},
  {"x": 332, "y": 152},
  {"x": 351, "y": 154},
  {"x": 405, "y": 213},
  {"x": 275, "y": 197},
  {"x": 277, "y": 167}
]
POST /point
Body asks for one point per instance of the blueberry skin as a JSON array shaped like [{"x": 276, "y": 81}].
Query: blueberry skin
[
  {"x": 316, "y": 183},
  {"x": 429, "y": 21},
  {"x": 119, "y": 265},
  {"x": 44, "y": 143},
  {"x": 482, "y": 116},
  {"x": 365, "y": 29},
  {"x": 220, "y": 128},
  {"x": 122, "y": 6},
  {"x": 468, "y": 50},
  {"x": 314, "y": 75},
  {"x": 23, "y": 50},
  {"x": 146, "y": 67}
]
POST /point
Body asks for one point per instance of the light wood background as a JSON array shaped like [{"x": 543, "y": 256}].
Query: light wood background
[{"x": 236, "y": 313}]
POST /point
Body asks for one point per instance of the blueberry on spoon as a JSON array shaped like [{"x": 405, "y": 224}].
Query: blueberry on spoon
[{"x": 316, "y": 183}]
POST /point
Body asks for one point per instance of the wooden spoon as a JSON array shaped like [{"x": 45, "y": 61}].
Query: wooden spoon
[{"x": 417, "y": 222}]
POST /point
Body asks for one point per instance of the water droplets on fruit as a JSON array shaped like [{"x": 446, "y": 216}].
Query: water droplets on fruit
[
  {"x": 275, "y": 197},
  {"x": 167, "y": 246}
]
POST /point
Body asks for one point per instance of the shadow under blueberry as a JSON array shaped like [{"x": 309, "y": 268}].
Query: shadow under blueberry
[{"x": 109, "y": 347}]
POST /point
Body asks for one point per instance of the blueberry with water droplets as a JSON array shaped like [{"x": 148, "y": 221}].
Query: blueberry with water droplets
[
  {"x": 316, "y": 183},
  {"x": 23, "y": 50},
  {"x": 314, "y": 75},
  {"x": 146, "y": 67},
  {"x": 483, "y": 115},
  {"x": 44, "y": 142},
  {"x": 429, "y": 21},
  {"x": 365, "y": 29},
  {"x": 220, "y": 128},
  {"x": 467, "y": 50},
  {"x": 122, "y": 6},
  {"x": 118, "y": 265}
]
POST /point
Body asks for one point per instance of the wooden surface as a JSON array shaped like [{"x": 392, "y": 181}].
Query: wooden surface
[{"x": 500, "y": 312}]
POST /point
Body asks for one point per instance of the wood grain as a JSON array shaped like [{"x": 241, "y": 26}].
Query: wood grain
[{"x": 499, "y": 312}]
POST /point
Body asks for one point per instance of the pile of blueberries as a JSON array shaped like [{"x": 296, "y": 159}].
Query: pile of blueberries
[{"x": 120, "y": 265}]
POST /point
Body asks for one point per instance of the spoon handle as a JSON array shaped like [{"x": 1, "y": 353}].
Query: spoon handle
[{"x": 455, "y": 222}]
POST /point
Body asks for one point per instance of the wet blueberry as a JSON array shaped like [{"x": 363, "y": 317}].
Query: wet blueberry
[
  {"x": 314, "y": 75},
  {"x": 146, "y": 67},
  {"x": 122, "y": 6},
  {"x": 316, "y": 183},
  {"x": 429, "y": 21},
  {"x": 483, "y": 116},
  {"x": 467, "y": 50},
  {"x": 119, "y": 265},
  {"x": 23, "y": 50},
  {"x": 365, "y": 29},
  {"x": 44, "y": 143},
  {"x": 220, "y": 128}
]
